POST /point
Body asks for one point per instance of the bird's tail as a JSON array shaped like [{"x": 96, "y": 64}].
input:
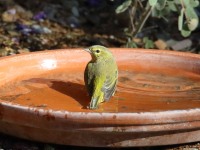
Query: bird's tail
[{"x": 95, "y": 101}]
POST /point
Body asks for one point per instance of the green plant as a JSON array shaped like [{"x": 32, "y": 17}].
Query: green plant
[{"x": 140, "y": 11}]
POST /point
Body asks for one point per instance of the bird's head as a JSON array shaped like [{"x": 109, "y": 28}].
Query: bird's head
[{"x": 98, "y": 52}]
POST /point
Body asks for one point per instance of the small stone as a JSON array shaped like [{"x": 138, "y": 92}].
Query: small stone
[
  {"x": 9, "y": 16},
  {"x": 137, "y": 40},
  {"x": 13, "y": 33},
  {"x": 24, "y": 50},
  {"x": 182, "y": 45},
  {"x": 112, "y": 37},
  {"x": 46, "y": 30},
  {"x": 160, "y": 44},
  {"x": 40, "y": 16},
  {"x": 3, "y": 52},
  {"x": 39, "y": 29},
  {"x": 75, "y": 11}
]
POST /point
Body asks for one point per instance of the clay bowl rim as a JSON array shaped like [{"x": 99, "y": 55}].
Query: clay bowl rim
[{"x": 161, "y": 117}]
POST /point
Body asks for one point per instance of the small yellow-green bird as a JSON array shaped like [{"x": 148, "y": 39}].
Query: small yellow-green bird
[{"x": 100, "y": 75}]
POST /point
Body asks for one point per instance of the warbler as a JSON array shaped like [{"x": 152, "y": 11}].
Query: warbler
[{"x": 100, "y": 76}]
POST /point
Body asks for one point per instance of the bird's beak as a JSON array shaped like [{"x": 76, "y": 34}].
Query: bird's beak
[{"x": 87, "y": 50}]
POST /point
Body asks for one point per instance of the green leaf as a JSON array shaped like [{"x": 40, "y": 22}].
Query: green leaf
[
  {"x": 148, "y": 43},
  {"x": 193, "y": 23},
  {"x": 172, "y": 6},
  {"x": 180, "y": 19},
  {"x": 161, "y": 4},
  {"x": 160, "y": 13},
  {"x": 131, "y": 44},
  {"x": 185, "y": 32},
  {"x": 155, "y": 13},
  {"x": 124, "y": 6},
  {"x": 153, "y": 2},
  {"x": 194, "y": 3},
  {"x": 192, "y": 18},
  {"x": 186, "y": 2}
]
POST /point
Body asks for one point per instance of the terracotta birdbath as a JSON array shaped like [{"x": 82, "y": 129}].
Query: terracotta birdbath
[{"x": 43, "y": 98}]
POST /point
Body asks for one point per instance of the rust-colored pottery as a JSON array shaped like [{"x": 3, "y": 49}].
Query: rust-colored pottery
[{"x": 43, "y": 98}]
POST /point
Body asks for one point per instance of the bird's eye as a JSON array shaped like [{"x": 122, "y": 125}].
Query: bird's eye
[{"x": 97, "y": 51}]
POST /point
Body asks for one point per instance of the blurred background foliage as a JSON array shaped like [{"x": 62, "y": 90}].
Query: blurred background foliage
[
  {"x": 188, "y": 19},
  {"x": 140, "y": 11},
  {"x": 160, "y": 24}
]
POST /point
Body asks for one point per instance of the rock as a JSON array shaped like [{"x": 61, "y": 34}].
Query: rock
[
  {"x": 75, "y": 11},
  {"x": 24, "y": 14},
  {"x": 39, "y": 29},
  {"x": 182, "y": 45},
  {"x": 24, "y": 50},
  {"x": 40, "y": 16},
  {"x": 15, "y": 13},
  {"x": 9, "y": 16},
  {"x": 46, "y": 30},
  {"x": 7, "y": 51},
  {"x": 160, "y": 44}
]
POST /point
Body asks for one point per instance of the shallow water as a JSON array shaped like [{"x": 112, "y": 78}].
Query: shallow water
[{"x": 136, "y": 92}]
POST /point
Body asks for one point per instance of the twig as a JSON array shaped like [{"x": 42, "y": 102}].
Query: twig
[
  {"x": 132, "y": 14},
  {"x": 143, "y": 20}
]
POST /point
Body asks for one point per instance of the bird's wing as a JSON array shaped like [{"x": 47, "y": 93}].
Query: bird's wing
[
  {"x": 89, "y": 78},
  {"x": 109, "y": 86},
  {"x": 98, "y": 94}
]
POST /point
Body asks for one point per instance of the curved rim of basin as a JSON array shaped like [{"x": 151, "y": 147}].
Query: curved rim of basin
[
  {"x": 98, "y": 128},
  {"x": 135, "y": 118}
]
